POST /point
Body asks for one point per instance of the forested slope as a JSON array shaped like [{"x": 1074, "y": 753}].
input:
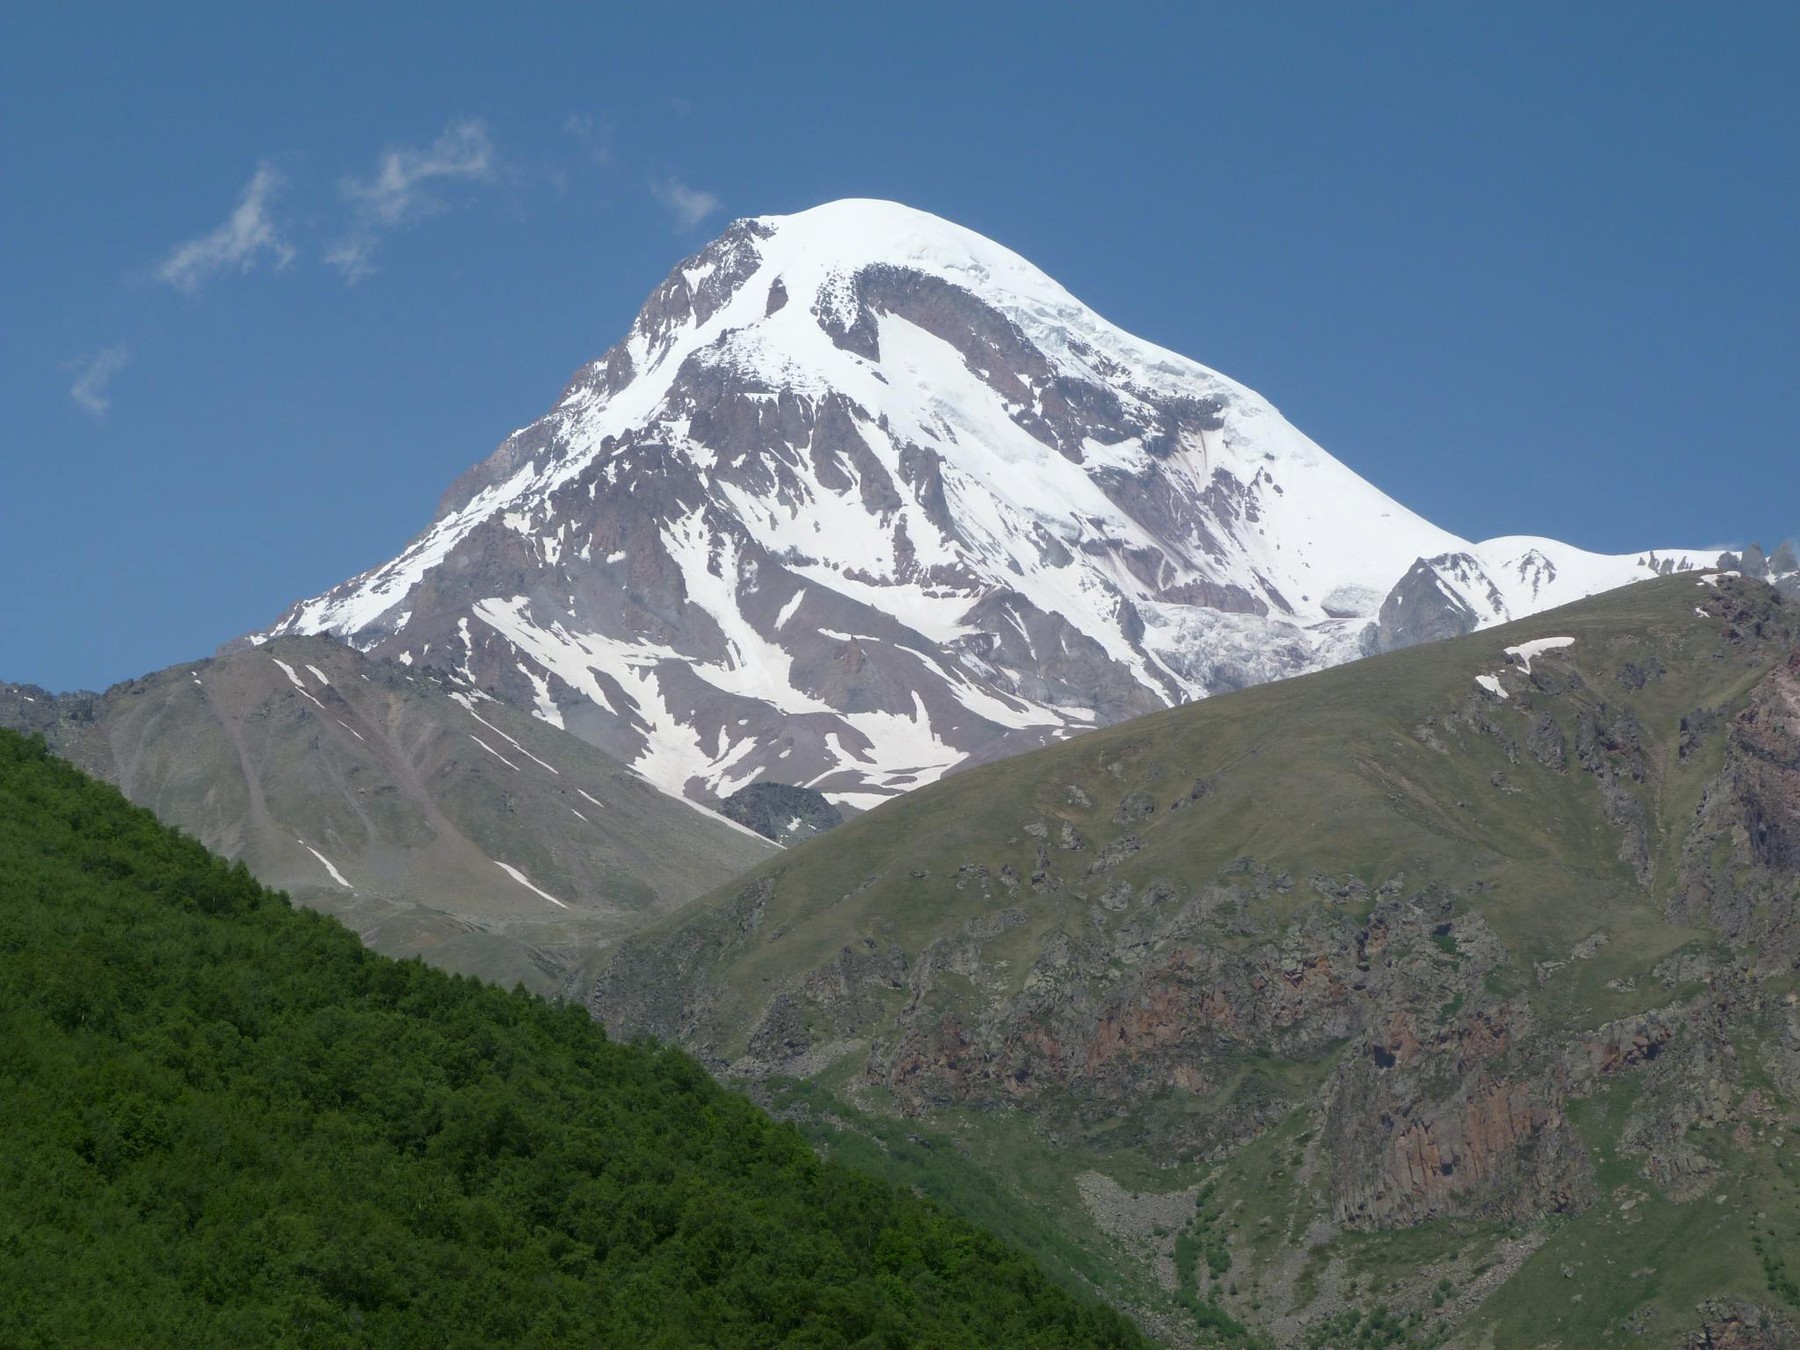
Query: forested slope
[{"x": 224, "y": 1122}]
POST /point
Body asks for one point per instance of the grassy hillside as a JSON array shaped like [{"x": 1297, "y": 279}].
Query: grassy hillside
[
  {"x": 1394, "y": 1004},
  {"x": 223, "y": 1122}
]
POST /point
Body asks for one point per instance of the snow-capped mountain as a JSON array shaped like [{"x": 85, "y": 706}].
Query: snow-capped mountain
[{"x": 863, "y": 496}]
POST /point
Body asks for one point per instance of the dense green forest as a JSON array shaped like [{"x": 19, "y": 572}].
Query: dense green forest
[{"x": 224, "y": 1122}]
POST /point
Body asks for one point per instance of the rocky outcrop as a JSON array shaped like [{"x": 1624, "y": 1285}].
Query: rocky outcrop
[
  {"x": 1738, "y": 861},
  {"x": 1424, "y": 606},
  {"x": 1738, "y": 1324},
  {"x": 782, "y": 812}
]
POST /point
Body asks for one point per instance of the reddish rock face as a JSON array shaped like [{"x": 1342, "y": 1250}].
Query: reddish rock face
[
  {"x": 1498, "y": 1143},
  {"x": 1434, "y": 1158}
]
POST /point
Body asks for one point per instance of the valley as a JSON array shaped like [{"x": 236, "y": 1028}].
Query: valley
[{"x": 1045, "y": 780}]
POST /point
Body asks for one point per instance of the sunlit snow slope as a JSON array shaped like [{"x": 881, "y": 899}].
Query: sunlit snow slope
[{"x": 863, "y": 495}]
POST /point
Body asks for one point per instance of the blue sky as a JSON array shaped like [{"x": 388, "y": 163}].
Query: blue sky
[{"x": 274, "y": 274}]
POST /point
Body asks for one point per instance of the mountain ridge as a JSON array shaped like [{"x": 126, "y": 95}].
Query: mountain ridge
[{"x": 433, "y": 822}]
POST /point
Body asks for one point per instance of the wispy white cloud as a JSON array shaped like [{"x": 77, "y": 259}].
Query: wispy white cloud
[
  {"x": 402, "y": 190},
  {"x": 594, "y": 136},
  {"x": 689, "y": 206},
  {"x": 93, "y": 377},
  {"x": 247, "y": 235}
]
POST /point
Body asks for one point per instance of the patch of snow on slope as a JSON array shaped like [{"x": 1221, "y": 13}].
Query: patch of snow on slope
[
  {"x": 755, "y": 667},
  {"x": 294, "y": 679},
  {"x": 788, "y": 610},
  {"x": 330, "y": 866},
  {"x": 545, "y": 709},
  {"x": 525, "y": 881},
  {"x": 673, "y": 754},
  {"x": 469, "y": 706},
  {"x": 495, "y": 753},
  {"x": 1526, "y": 651}
]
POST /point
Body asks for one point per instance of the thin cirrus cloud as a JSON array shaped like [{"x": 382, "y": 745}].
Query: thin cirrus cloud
[
  {"x": 689, "y": 206},
  {"x": 94, "y": 376},
  {"x": 404, "y": 187},
  {"x": 594, "y": 137},
  {"x": 247, "y": 236},
  {"x": 408, "y": 184}
]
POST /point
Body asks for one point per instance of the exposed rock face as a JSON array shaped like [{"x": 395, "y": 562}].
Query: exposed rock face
[
  {"x": 1784, "y": 570},
  {"x": 1425, "y": 605},
  {"x": 782, "y": 812},
  {"x": 1781, "y": 569},
  {"x": 1737, "y": 1324},
  {"x": 1738, "y": 864},
  {"x": 863, "y": 497}
]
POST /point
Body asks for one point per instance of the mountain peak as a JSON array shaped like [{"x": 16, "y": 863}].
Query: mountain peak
[
  {"x": 858, "y": 232},
  {"x": 786, "y": 272},
  {"x": 863, "y": 495}
]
